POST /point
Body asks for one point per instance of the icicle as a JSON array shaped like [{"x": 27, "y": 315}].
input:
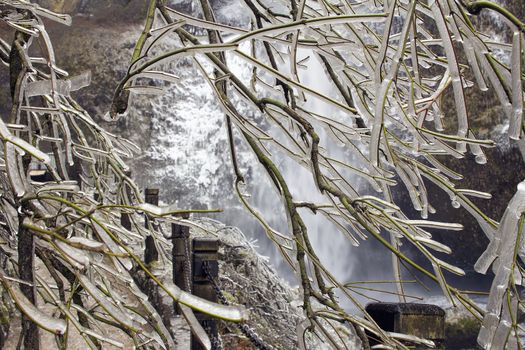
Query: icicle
[
  {"x": 454, "y": 202},
  {"x": 146, "y": 90},
  {"x": 13, "y": 172},
  {"x": 412, "y": 192},
  {"x": 494, "y": 332},
  {"x": 488, "y": 328},
  {"x": 487, "y": 258},
  {"x": 80, "y": 81},
  {"x": 503, "y": 330},
  {"x": 498, "y": 87},
  {"x": 434, "y": 245},
  {"x": 473, "y": 62},
  {"x": 516, "y": 119},
  {"x": 45, "y": 87},
  {"x": 476, "y": 150},
  {"x": 158, "y": 75}
]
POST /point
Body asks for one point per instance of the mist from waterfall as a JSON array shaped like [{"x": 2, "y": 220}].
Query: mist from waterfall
[{"x": 189, "y": 159}]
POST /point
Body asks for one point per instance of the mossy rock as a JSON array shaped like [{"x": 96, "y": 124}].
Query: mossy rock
[
  {"x": 230, "y": 297},
  {"x": 462, "y": 334}
]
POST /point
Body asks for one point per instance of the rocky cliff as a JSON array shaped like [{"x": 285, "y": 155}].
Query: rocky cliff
[{"x": 101, "y": 10}]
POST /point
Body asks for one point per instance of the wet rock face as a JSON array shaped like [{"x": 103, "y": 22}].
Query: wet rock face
[
  {"x": 515, "y": 6},
  {"x": 499, "y": 177},
  {"x": 504, "y": 169},
  {"x": 133, "y": 10},
  {"x": 65, "y": 6},
  {"x": 120, "y": 11}
]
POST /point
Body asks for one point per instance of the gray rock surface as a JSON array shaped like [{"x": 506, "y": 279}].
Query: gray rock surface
[{"x": 275, "y": 307}]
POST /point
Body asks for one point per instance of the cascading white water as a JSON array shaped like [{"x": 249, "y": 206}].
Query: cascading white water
[
  {"x": 189, "y": 158},
  {"x": 189, "y": 153}
]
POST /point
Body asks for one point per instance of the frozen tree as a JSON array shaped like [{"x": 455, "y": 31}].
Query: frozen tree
[
  {"x": 66, "y": 187},
  {"x": 64, "y": 190},
  {"x": 391, "y": 64}
]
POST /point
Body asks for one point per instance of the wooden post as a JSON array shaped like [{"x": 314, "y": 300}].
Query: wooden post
[
  {"x": 151, "y": 256},
  {"x": 421, "y": 320},
  {"x": 74, "y": 171},
  {"x": 26, "y": 271},
  {"x": 125, "y": 219},
  {"x": 150, "y": 253},
  {"x": 205, "y": 250},
  {"x": 181, "y": 257}
]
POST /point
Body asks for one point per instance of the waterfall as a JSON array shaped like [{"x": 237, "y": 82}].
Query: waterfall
[{"x": 188, "y": 158}]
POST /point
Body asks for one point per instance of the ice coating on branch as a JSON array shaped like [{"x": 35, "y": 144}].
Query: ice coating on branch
[
  {"x": 196, "y": 327},
  {"x": 80, "y": 81},
  {"x": 435, "y": 224},
  {"x": 13, "y": 170},
  {"x": 412, "y": 339},
  {"x": 231, "y": 312},
  {"x": 47, "y": 87},
  {"x": 110, "y": 243},
  {"x": 402, "y": 150},
  {"x": 77, "y": 255},
  {"x": 61, "y": 87},
  {"x": 158, "y": 75},
  {"x": 106, "y": 304},
  {"x": 159, "y": 211},
  {"x": 146, "y": 90},
  {"x": 58, "y": 188},
  {"x": 86, "y": 243},
  {"x": 516, "y": 118},
  {"x": 438, "y": 11},
  {"x": 501, "y": 253},
  {"x": 437, "y": 246},
  {"x": 51, "y": 324}
]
